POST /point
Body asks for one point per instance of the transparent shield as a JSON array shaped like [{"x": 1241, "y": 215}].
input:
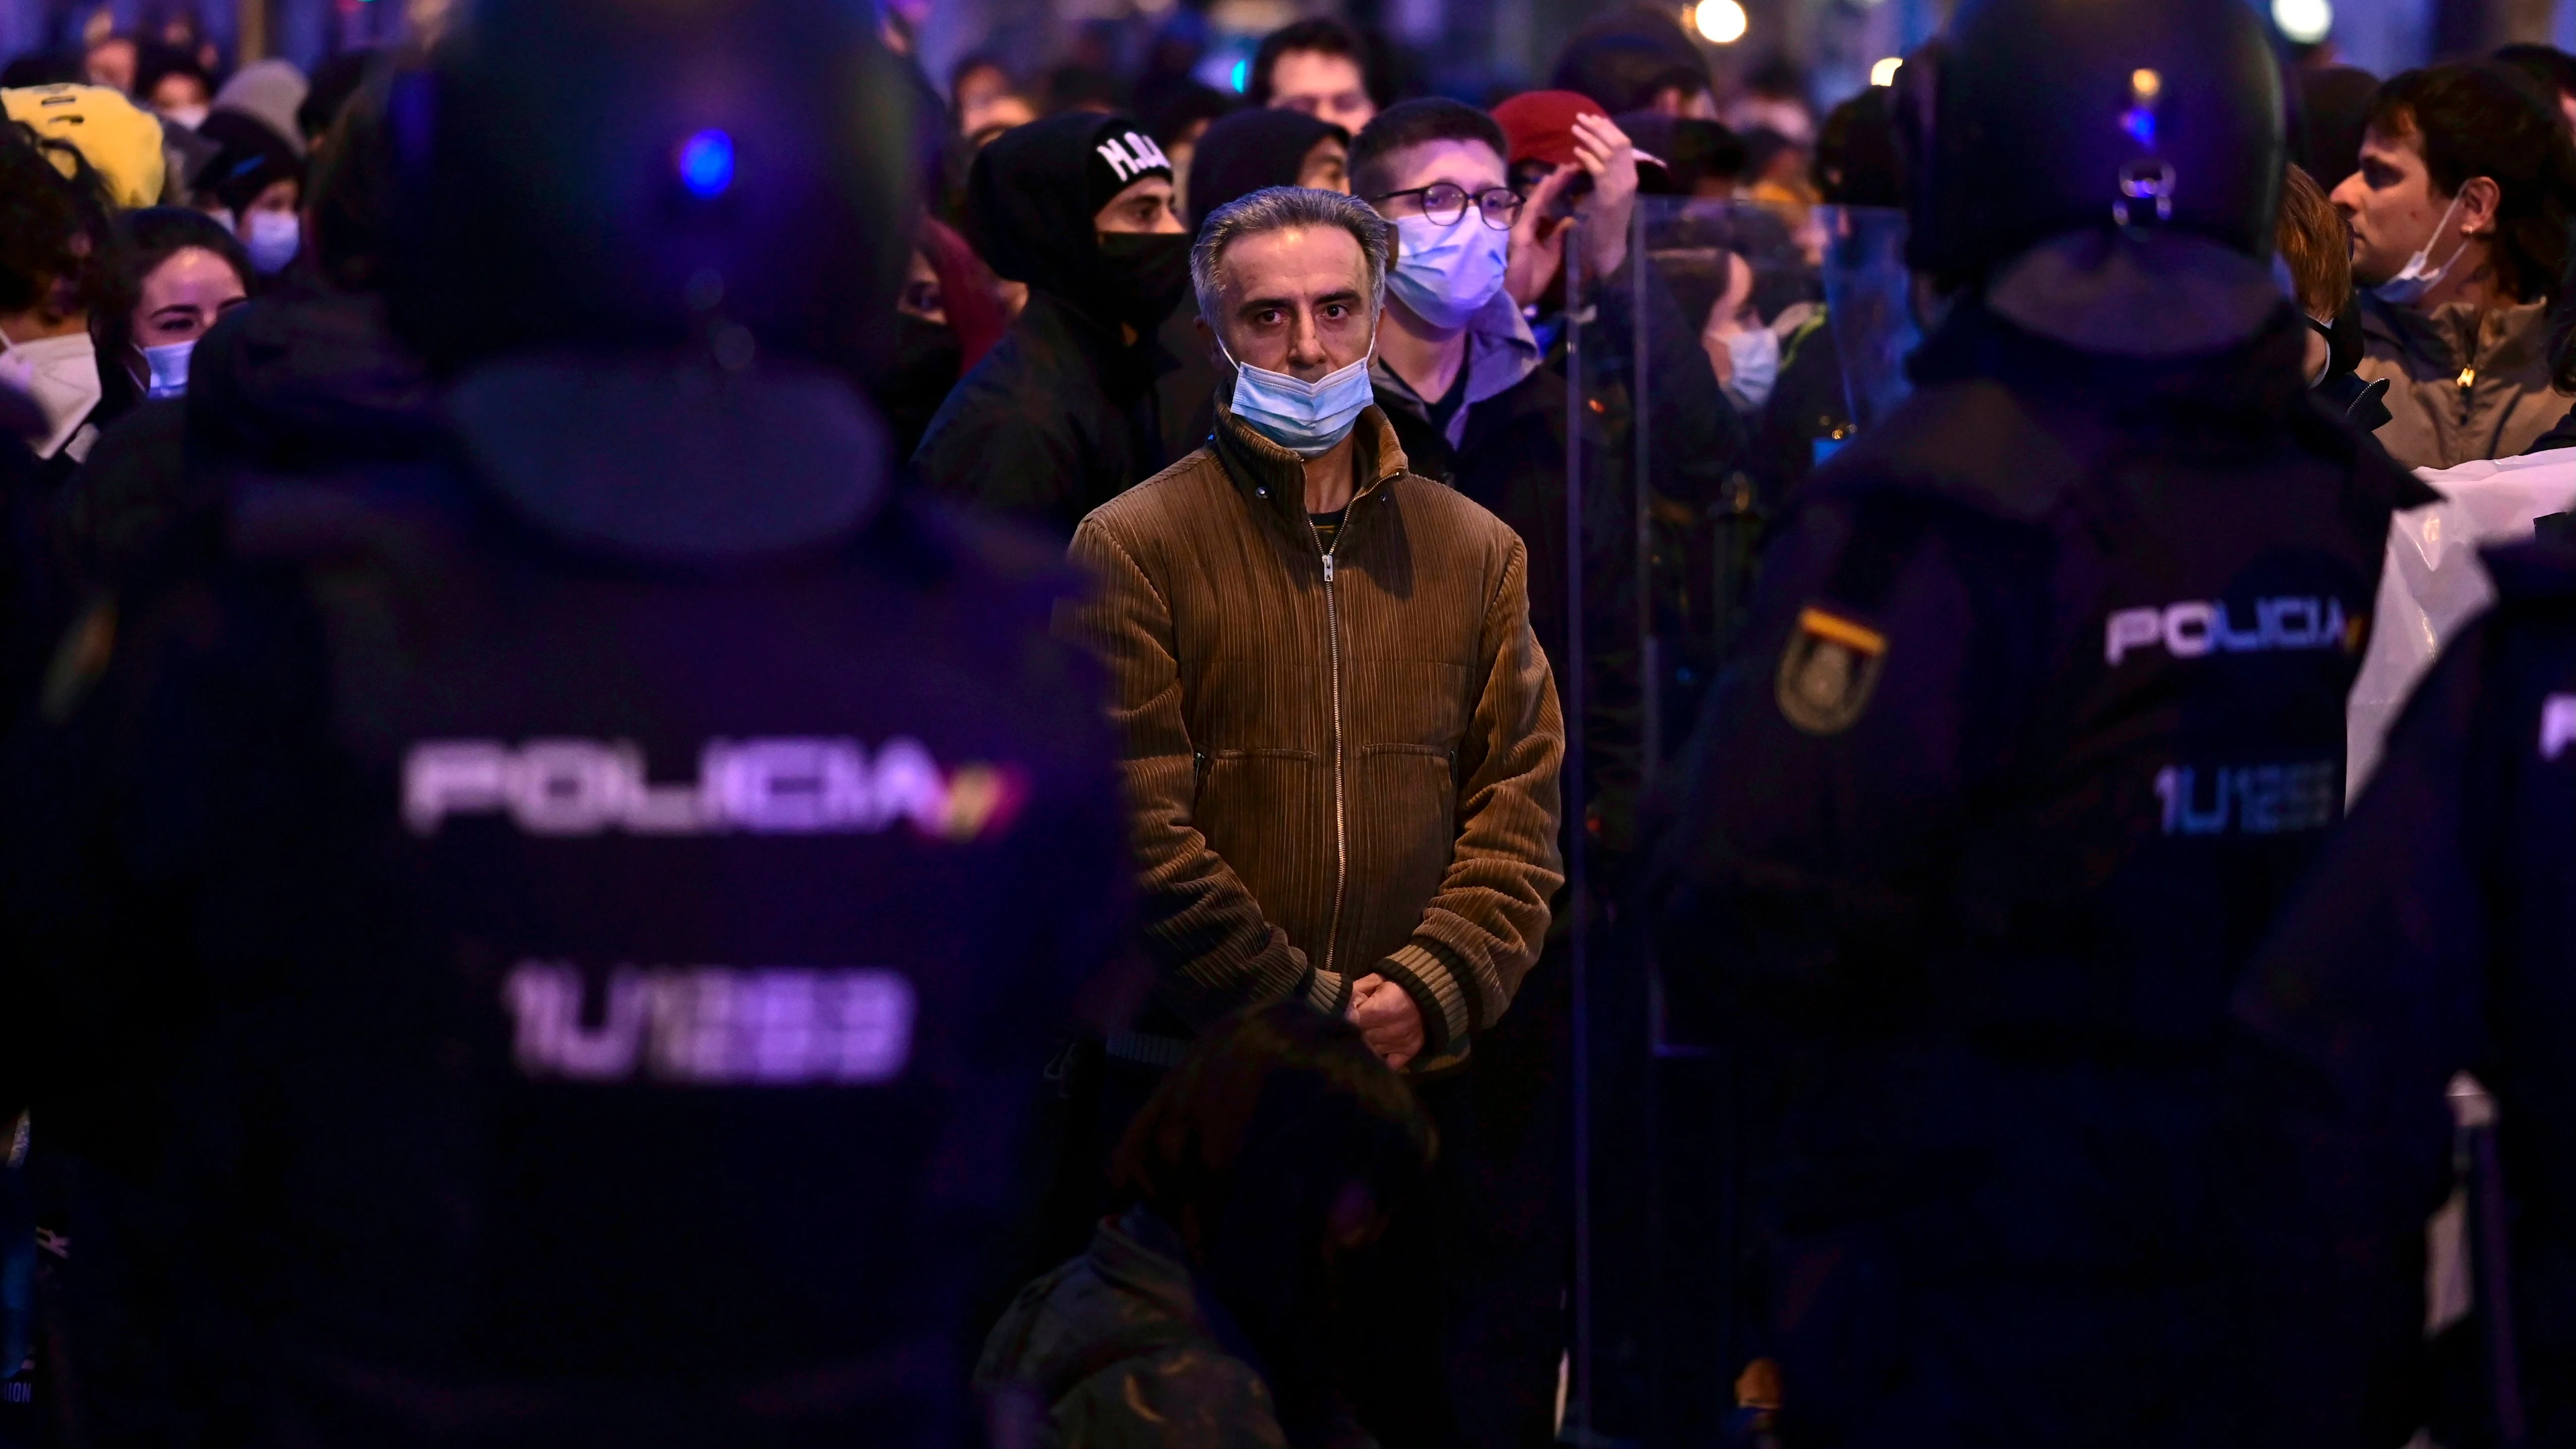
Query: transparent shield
[
  {"x": 1701, "y": 373},
  {"x": 1869, "y": 306}
]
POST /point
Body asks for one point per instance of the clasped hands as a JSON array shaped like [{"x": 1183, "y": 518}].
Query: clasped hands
[{"x": 1389, "y": 1023}]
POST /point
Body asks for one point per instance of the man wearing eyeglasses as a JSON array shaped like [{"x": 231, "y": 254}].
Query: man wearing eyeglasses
[
  {"x": 1467, "y": 390},
  {"x": 1452, "y": 337},
  {"x": 1459, "y": 373}
]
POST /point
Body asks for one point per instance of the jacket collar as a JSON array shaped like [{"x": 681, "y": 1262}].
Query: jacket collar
[
  {"x": 2451, "y": 336},
  {"x": 1136, "y": 1252},
  {"x": 1273, "y": 479},
  {"x": 2064, "y": 408},
  {"x": 1501, "y": 350},
  {"x": 2152, "y": 296},
  {"x": 665, "y": 460},
  {"x": 2255, "y": 377},
  {"x": 1140, "y": 1254}
]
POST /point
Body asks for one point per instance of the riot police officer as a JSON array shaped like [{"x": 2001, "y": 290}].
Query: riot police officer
[
  {"x": 2434, "y": 939},
  {"x": 545, "y": 943},
  {"x": 2038, "y": 714}
]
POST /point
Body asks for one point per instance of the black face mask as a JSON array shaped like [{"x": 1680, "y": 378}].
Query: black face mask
[{"x": 1146, "y": 275}]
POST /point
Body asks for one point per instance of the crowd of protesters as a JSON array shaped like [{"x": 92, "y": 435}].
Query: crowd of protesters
[{"x": 1292, "y": 372}]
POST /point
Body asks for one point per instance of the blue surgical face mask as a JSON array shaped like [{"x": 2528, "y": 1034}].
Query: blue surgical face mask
[
  {"x": 169, "y": 364},
  {"x": 1447, "y": 274},
  {"x": 2412, "y": 280},
  {"x": 271, "y": 238},
  {"x": 1306, "y": 418}
]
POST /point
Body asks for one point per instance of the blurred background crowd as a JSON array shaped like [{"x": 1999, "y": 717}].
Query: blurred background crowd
[{"x": 1629, "y": 301}]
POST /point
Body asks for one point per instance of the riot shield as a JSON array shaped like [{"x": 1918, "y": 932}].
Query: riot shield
[
  {"x": 1869, "y": 307},
  {"x": 1675, "y": 462}
]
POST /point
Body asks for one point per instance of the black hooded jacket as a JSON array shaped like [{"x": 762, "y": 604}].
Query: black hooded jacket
[
  {"x": 1062, "y": 415},
  {"x": 308, "y": 381}
]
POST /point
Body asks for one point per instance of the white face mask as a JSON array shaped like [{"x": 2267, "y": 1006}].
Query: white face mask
[
  {"x": 271, "y": 238},
  {"x": 2412, "y": 280},
  {"x": 1755, "y": 351},
  {"x": 189, "y": 116},
  {"x": 169, "y": 364},
  {"x": 61, "y": 374},
  {"x": 1447, "y": 274}
]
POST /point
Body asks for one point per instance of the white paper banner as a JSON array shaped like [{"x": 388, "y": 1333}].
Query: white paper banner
[{"x": 2434, "y": 584}]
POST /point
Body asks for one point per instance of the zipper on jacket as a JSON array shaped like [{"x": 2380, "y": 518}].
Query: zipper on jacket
[
  {"x": 1341, "y": 827},
  {"x": 2468, "y": 377}
]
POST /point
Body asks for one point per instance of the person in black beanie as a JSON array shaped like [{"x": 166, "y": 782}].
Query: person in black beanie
[
  {"x": 1062, "y": 415},
  {"x": 1250, "y": 150}
]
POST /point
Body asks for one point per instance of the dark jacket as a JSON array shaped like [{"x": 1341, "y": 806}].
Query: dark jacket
[
  {"x": 631, "y": 828},
  {"x": 2433, "y": 939},
  {"x": 2561, "y": 434},
  {"x": 1122, "y": 1352},
  {"x": 1187, "y": 394},
  {"x": 1647, "y": 398},
  {"x": 1506, "y": 449},
  {"x": 2363, "y": 403},
  {"x": 2039, "y": 714},
  {"x": 1700, "y": 439},
  {"x": 1809, "y": 414},
  {"x": 308, "y": 381},
  {"x": 1340, "y": 762},
  {"x": 1059, "y": 418},
  {"x": 32, "y": 601}
]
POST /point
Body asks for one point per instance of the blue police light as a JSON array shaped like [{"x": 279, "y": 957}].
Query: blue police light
[{"x": 706, "y": 163}]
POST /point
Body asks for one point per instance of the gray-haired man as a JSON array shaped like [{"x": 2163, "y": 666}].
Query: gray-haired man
[{"x": 1342, "y": 739}]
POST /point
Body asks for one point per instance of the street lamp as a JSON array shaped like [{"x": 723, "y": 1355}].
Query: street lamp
[
  {"x": 2304, "y": 22},
  {"x": 1723, "y": 22}
]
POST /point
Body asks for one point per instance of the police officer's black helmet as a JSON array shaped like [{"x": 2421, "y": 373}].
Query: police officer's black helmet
[
  {"x": 608, "y": 174},
  {"x": 2034, "y": 118}
]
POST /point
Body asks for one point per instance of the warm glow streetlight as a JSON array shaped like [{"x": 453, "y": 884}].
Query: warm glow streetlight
[
  {"x": 2305, "y": 22},
  {"x": 1723, "y": 21}
]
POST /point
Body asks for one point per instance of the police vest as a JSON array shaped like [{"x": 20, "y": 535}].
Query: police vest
[
  {"x": 2167, "y": 624},
  {"x": 631, "y": 976}
]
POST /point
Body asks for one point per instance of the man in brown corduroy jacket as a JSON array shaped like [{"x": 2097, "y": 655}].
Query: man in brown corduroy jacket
[
  {"x": 1342, "y": 739},
  {"x": 1342, "y": 744}
]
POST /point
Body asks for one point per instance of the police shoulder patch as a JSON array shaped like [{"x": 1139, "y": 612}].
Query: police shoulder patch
[{"x": 1828, "y": 671}]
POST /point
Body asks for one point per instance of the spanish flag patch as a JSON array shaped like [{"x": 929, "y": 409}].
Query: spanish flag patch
[{"x": 1828, "y": 671}]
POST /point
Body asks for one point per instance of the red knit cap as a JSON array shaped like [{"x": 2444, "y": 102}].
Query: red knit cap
[{"x": 1539, "y": 125}]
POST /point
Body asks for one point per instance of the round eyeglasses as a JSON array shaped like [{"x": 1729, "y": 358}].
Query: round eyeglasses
[{"x": 1446, "y": 204}]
